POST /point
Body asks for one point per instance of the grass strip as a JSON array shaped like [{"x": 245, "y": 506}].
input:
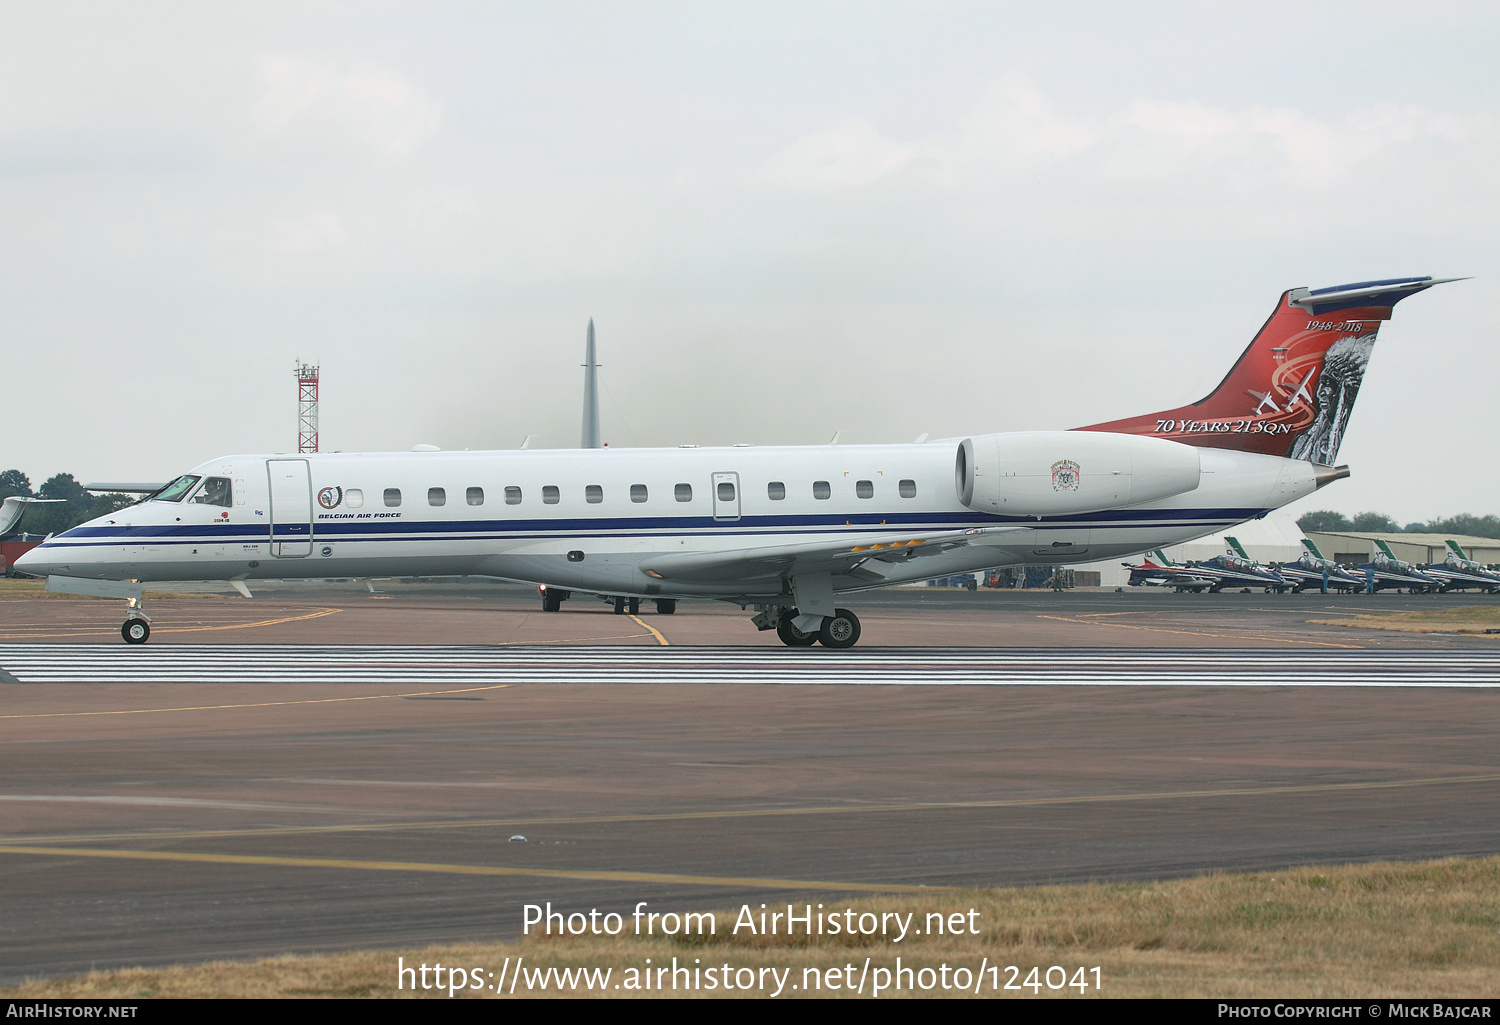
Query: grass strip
[
  {"x": 1467, "y": 619},
  {"x": 1381, "y": 930}
]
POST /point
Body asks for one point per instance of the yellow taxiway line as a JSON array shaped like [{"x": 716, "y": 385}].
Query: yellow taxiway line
[
  {"x": 654, "y": 632},
  {"x": 258, "y": 704},
  {"x": 466, "y": 870},
  {"x": 319, "y": 614}
]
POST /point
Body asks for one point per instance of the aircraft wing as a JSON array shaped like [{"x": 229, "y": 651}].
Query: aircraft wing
[
  {"x": 747, "y": 564},
  {"x": 130, "y": 488}
]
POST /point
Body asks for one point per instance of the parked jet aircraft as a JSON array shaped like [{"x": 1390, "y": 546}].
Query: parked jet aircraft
[
  {"x": 14, "y": 508},
  {"x": 1312, "y": 570},
  {"x": 1232, "y": 569},
  {"x": 1158, "y": 570},
  {"x": 1385, "y": 570},
  {"x": 1458, "y": 572},
  {"x": 783, "y": 529}
]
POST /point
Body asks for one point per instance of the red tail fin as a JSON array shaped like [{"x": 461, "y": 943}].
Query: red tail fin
[{"x": 1291, "y": 392}]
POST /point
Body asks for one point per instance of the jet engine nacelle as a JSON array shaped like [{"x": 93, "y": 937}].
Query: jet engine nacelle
[{"x": 1052, "y": 473}]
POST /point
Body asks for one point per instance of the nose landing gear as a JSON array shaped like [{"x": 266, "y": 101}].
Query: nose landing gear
[{"x": 136, "y": 628}]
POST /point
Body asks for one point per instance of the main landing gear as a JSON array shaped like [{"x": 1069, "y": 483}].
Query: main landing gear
[{"x": 840, "y": 630}]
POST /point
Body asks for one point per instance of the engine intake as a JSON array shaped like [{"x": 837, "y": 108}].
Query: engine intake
[{"x": 1053, "y": 473}]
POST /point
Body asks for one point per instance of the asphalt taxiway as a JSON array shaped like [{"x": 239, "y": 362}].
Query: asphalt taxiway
[{"x": 268, "y": 780}]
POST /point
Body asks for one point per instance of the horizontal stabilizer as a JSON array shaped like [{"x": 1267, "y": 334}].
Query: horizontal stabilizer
[{"x": 1319, "y": 301}]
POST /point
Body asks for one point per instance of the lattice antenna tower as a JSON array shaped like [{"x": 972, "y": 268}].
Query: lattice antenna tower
[{"x": 307, "y": 407}]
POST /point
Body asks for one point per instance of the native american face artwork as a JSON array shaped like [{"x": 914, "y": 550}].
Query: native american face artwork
[{"x": 1338, "y": 384}]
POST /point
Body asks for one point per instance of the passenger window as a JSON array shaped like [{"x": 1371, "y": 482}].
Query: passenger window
[
  {"x": 549, "y": 494},
  {"x": 215, "y": 491},
  {"x": 726, "y": 491},
  {"x": 393, "y": 497},
  {"x": 512, "y": 495},
  {"x": 437, "y": 496},
  {"x": 776, "y": 491},
  {"x": 821, "y": 489},
  {"x": 683, "y": 492},
  {"x": 638, "y": 493},
  {"x": 908, "y": 489},
  {"x": 354, "y": 498},
  {"x": 593, "y": 494},
  {"x": 864, "y": 489},
  {"x": 474, "y": 496}
]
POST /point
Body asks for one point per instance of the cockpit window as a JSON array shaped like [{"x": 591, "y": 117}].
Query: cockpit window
[
  {"x": 215, "y": 491},
  {"x": 174, "y": 491}
]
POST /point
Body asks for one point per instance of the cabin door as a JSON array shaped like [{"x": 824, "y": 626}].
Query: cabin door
[
  {"x": 726, "y": 496},
  {"x": 291, "y": 508}
]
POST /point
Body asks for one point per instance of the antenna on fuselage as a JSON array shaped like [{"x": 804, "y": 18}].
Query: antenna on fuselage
[{"x": 590, "y": 394}]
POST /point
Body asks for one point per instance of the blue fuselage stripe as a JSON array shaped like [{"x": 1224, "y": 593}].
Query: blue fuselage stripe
[{"x": 638, "y": 527}]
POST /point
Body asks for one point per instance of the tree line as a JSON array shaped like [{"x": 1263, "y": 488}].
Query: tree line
[
  {"x": 75, "y": 505},
  {"x": 1463, "y": 523}
]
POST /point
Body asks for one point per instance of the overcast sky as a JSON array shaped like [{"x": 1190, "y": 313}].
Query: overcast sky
[{"x": 785, "y": 219}]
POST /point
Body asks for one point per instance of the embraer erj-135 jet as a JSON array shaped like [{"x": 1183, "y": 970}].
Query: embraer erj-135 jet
[{"x": 785, "y": 530}]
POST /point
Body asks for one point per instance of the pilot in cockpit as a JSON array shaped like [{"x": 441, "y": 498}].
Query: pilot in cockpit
[{"x": 215, "y": 491}]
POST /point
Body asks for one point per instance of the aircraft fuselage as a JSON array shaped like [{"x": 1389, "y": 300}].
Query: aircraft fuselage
[{"x": 597, "y": 520}]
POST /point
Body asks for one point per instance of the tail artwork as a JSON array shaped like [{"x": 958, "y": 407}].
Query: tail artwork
[
  {"x": 1456, "y": 550},
  {"x": 1292, "y": 390},
  {"x": 1307, "y": 543},
  {"x": 1236, "y": 548}
]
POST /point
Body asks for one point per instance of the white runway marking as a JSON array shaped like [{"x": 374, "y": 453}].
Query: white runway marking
[{"x": 438, "y": 665}]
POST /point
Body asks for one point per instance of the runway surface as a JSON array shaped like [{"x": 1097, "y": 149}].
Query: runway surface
[
  {"x": 489, "y": 613},
  {"x": 171, "y": 805},
  {"x": 703, "y": 666}
]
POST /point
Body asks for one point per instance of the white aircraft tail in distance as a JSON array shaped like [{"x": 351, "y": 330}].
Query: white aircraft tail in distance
[{"x": 785, "y": 530}]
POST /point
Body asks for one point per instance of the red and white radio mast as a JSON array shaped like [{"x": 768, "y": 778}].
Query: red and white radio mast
[{"x": 307, "y": 407}]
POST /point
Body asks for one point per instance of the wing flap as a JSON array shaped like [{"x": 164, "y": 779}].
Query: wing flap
[{"x": 841, "y": 556}]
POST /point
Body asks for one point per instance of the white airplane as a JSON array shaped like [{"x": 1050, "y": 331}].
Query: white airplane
[{"x": 785, "y": 530}]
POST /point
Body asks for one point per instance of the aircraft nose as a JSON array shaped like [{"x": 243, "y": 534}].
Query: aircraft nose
[{"x": 39, "y": 562}]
